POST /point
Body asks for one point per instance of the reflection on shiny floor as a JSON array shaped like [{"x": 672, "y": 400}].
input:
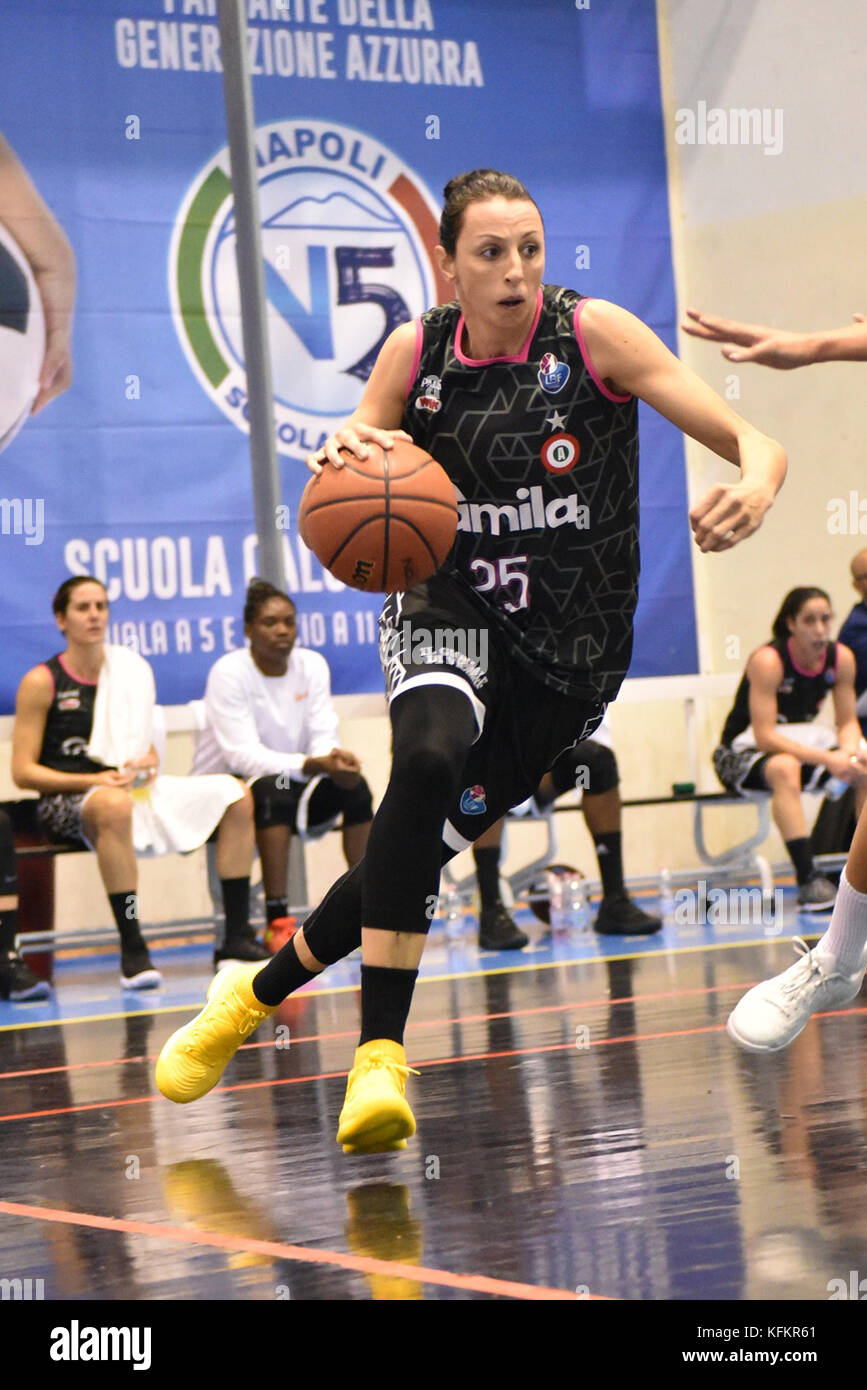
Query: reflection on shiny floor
[{"x": 585, "y": 1128}]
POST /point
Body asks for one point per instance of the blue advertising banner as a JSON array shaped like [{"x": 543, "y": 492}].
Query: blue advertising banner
[{"x": 139, "y": 474}]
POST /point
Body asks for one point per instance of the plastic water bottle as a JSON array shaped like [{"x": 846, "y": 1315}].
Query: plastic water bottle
[
  {"x": 834, "y": 788},
  {"x": 666, "y": 894},
  {"x": 578, "y": 915},
  {"x": 451, "y": 912},
  {"x": 558, "y": 898}
]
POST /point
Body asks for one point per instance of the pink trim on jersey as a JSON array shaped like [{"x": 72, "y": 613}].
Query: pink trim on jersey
[
  {"x": 72, "y": 674},
  {"x": 486, "y": 361},
  {"x": 800, "y": 670},
  {"x": 416, "y": 358},
  {"x": 588, "y": 360}
]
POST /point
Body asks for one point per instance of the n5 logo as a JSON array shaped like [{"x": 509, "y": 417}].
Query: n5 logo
[{"x": 313, "y": 326}]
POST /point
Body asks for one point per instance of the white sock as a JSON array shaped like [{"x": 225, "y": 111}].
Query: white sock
[{"x": 846, "y": 937}]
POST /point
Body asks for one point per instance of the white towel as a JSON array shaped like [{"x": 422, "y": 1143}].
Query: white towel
[
  {"x": 123, "y": 710},
  {"x": 178, "y": 814},
  {"x": 170, "y": 814}
]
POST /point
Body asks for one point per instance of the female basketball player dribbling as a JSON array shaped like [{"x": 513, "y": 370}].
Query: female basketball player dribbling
[{"x": 527, "y": 395}]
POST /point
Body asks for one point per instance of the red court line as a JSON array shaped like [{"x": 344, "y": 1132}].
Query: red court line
[
  {"x": 435, "y": 1062},
  {"x": 422, "y": 1023},
  {"x": 363, "y": 1264}
]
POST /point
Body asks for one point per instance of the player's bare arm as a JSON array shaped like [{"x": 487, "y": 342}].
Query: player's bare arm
[
  {"x": 52, "y": 260},
  {"x": 845, "y": 718},
  {"x": 32, "y": 704},
  {"x": 772, "y": 347},
  {"x": 632, "y": 359},
  {"x": 383, "y": 401},
  {"x": 765, "y": 672}
]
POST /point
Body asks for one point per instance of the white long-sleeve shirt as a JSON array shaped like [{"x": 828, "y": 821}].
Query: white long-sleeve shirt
[{"x": 260, "y": 725}]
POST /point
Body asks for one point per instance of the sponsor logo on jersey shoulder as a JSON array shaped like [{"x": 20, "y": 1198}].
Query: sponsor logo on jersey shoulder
[
  {"x": 473, "y": 801},
  {"x": 553, "y": 374},
  {"x": 431, "y": 390},
  {"x": 528, "y": 511},
  {"x": 68, "y": 699},
  {"x": 560, "y": 453},
  {"x": 830, "y": 676}
]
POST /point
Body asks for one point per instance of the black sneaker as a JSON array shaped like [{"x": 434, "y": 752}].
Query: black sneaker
[
  {"x": 17, "y": 981},
  {"x": 620, "y": 916},
  {"x": 136, "y": 967},
  {"x": 242, "y": 948},
  {"x": 497, "y": 931},
  {"x": 816, "y": 896}
]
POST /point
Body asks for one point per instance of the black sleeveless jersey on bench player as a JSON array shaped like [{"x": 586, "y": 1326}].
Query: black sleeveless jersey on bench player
[
  {"x": 545, "y": 462},
  {"x": 798, "y": 697},
  {"x": 68, "y": 723}
]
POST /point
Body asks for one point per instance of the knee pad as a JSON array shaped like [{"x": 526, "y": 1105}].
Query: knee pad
[
  {"x": 590, "y": 766},
  {"x": 358, "y": 805}
]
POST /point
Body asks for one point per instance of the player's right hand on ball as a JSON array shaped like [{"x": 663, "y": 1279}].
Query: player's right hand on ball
[{"x": 355, "y": 438}]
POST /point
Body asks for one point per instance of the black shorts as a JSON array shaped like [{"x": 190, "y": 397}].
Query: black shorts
[
  {"x": 309, "y": 808},
  {"x": 743, "y": 770},
  {"x": 522, "y": 723}
]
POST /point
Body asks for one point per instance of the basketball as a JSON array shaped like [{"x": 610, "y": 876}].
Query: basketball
[
  {"x": 382, "y": 523},
  {"x": 22, "y": 338}
]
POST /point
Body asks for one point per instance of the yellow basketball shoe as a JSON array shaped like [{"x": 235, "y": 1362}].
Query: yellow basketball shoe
[
  {"x": 376, "y": 1116},
  {"x": 195, "y": 1057}
]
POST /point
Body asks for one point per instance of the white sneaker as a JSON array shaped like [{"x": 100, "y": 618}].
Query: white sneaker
[{"x": 772, "y": 1014}]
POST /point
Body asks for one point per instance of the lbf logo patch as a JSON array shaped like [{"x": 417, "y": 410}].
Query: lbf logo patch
[
  {"x": 473, "y": 801},
  {"x": 553, "y": 374}
]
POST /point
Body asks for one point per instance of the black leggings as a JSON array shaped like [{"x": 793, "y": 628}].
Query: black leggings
[
  {"x": 394, "y": 887},
  {"x": 8, "y": 869}
]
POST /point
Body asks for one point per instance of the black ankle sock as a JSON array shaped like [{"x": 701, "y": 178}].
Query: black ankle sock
[
  {"x": 801, "y": 856},
  {"x": 8, "y": 928},
  {"x": 236, "y": 906},
  {"x": 276, "y": 907},
  {"x": 609, "y": 854},
  {"x": 125, "y": 909},
  {"x": 281, "y": 976},
  {"x": 386, "y": 996},
  {"x": 488, "y": 874}
]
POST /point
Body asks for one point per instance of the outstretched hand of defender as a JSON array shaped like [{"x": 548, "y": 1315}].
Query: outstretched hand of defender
[
  {"x": 355, "y": 438},
  {"x": 727, "y": 514},
  {"x": 751, "y": 342}
]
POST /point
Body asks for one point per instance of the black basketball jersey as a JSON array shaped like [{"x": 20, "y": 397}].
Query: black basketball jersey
[
  {"x": 545, "y": 462},
  {"x": 69, "y": 722},
  {"x": 798, "y": 696}
]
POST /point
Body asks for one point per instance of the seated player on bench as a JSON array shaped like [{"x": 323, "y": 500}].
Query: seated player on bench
[
  {"x": 853, "y": 633},
  {"x": 83, "y": 740},
  {"x": 271, "y": 720},
  {"x": 770, "y": 741},
  {"x": 592, "y": 766},
  {"x": 17, "y": 980},
  {"x": 773, "y": 1013}
]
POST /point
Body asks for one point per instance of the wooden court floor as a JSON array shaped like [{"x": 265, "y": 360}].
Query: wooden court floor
[{"x": 586, "y": 1130}]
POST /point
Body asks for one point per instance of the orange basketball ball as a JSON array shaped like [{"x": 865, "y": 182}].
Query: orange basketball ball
[{"x": 381, "y": 523}]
